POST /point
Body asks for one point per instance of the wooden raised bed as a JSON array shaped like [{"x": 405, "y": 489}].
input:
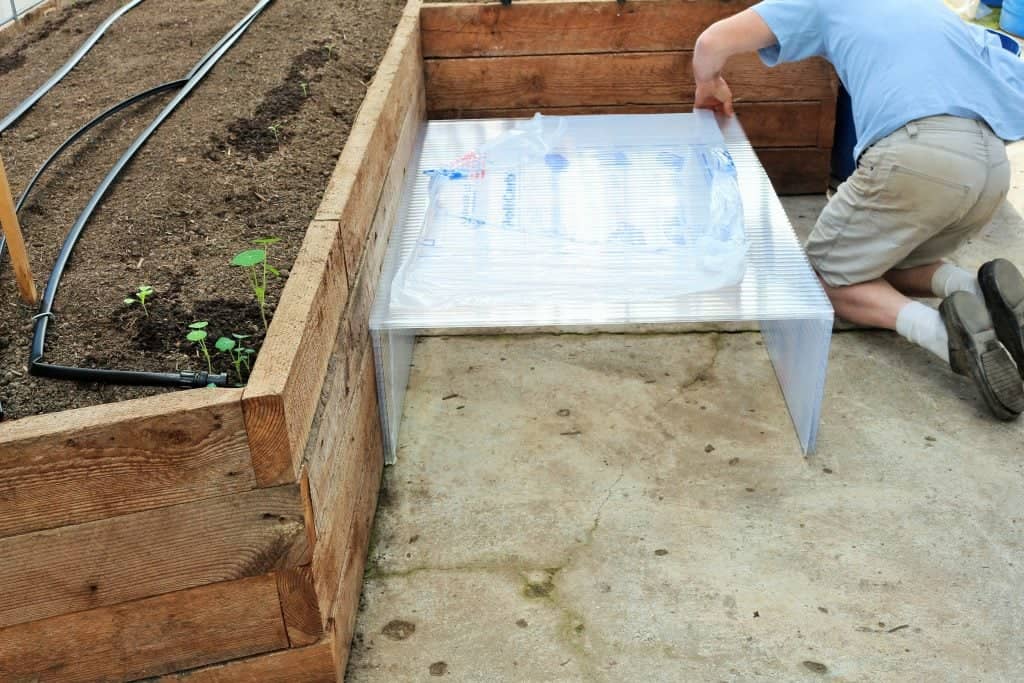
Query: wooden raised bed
[
  {"x": 179, "y": 531},
  {"x": 174, "y": 532}
]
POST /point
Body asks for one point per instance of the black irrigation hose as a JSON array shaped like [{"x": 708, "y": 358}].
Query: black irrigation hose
[
  {"x": 77, "y": 135},
  {"x": 163, "y": 87},
  {"x": 22, "y": 108},
  {"x": 181, "y": 379}
]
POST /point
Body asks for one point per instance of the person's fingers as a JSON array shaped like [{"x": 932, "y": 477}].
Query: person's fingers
[{"x": 728, "y": 108}]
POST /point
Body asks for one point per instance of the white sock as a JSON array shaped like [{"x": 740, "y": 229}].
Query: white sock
[
  {"x": 923, "y": 326},
  {"x": 949, "y": 278}
]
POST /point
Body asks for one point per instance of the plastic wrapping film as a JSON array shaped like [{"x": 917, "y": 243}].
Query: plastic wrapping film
[
  {"x": 721, "y": 271},
  {"x": 579, "y": 210}
]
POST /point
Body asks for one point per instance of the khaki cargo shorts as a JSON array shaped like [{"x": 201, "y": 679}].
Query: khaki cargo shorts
[{"x": 915, "y": 197}]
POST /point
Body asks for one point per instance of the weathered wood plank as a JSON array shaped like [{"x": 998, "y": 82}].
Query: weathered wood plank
[
  {"x": 350, "y": 462},
  {"x": 58, "y": 571},
  {"x": 531, "y": 28},
  {"x": 357, "y": 318},
  {"x": 120, "y": 458},
  {"x": 281, "y": 399},
  {"x": 299, "y": 606},
  {"x": 609, "y": 79},
  {"x": 277, "y": 401},
  {"x": 797, "y": 171},
  {"x": 345, "y": 605},
  {"x": 768, "y": 124},
  {"x": 182, "y": 630},
  {"x": 313, "y": 664}
]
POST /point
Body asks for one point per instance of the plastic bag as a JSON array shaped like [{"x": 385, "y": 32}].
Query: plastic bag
[{"x": 585, "y": 210}]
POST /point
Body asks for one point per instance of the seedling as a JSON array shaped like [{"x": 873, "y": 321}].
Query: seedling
[
  {"x": 239, "y": 354},
  {"x": 305, "y": 89},
  {"x": 276, "y": 131},
  {"x": 255, "y": 261},
  {"x": 141, "y": 294},
  {"x": 197, "y": 335},
  {"x": 330, "y": 50}
]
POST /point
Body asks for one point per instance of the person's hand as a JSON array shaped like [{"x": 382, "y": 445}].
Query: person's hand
[{"x": 715, "y": 95}]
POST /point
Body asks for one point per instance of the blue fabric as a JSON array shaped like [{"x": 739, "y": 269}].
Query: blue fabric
[{"x": 902, "y": 61}]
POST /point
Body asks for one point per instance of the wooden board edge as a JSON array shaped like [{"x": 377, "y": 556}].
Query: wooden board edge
[
  {"x": 465, "y": 29},
  {"x": 279, "y": 401},
  {"x": 92, "y": 457},
  {"x": 64, "y": 424},
  {"x": 150, "y": 637},
  {"x": 610, "y": 79},
  {"x": 346, "y": 602},
  {"x": 310, "y": 664},
  {"x": 133, "y": 557},
  {"x": 299, "y": 606}
]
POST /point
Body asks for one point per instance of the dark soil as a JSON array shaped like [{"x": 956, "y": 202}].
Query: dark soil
[{"x": 247, "y": 156}]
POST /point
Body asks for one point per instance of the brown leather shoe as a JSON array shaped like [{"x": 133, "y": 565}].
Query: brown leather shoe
[
  {"x": 975, "y": 351},
  {"x": 1003, "y": 287}
]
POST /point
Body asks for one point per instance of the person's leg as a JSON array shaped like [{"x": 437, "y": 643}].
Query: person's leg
[
  {"x": 877, "y": 303},
  {"x": 938, "y": 279}
]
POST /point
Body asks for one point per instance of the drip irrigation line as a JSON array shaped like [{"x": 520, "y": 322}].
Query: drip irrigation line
[
  {"x": 180, "y": 379},
  {"x": 163, "y": 87},
  {"x": 27, "y": 104}
]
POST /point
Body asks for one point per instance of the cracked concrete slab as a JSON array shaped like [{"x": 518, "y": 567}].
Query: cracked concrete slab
[{"x": 620, "y": 508}]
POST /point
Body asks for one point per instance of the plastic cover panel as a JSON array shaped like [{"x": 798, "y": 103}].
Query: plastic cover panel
[
  {"x": 569, "y": 210},
  {"x": 778, "y": 290}
]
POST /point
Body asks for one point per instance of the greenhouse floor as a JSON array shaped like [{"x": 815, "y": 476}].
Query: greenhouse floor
[{"x": 610, "y": 508}]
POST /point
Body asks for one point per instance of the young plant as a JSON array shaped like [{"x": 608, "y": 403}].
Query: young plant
[
  {"x": 197, "y": 335},
  {"x": 239, "y": 354},
  {"x": 141, "y": 294},
  {"x": 276, "y": 131},
  {"x": 305, "y": 89},
  {"x": 255, "y": 262}
]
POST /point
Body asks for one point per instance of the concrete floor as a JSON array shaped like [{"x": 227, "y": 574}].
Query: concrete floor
[{"x": 635, "y": 508}]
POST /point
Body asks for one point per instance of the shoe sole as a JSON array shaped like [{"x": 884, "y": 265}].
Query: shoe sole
[
  {"x": 1003, "y": 288},
  {"x": 975, "y": 351}
]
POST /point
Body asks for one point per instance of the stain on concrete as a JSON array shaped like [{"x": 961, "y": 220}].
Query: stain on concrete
[
  {"x": 816, "y": 667},
  {"x": 438, "y": 669},
  {"x": 398, "y": 629}
]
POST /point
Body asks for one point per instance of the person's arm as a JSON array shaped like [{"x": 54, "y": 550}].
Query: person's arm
[{"x": 743, "y": 32}]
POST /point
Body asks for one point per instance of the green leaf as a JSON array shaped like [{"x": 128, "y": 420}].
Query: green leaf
[
  {"x": 145, "y": 290},
  {"x": 129, "y": 302},
  {"x": 267, "y": 241},
  {"x": 196, "y": 335},
  {"x": 248, "y": 352},
  {"x": 250, "y": 258},
  {"x": 198, "y": 325},
  {"x": 225, "y": 344},
  {"x": 241, "y": 336},
  {"x": 273, "y": 271}
]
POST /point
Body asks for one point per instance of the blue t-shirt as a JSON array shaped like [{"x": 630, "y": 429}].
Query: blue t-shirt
[{"x": 902, "y": 61}]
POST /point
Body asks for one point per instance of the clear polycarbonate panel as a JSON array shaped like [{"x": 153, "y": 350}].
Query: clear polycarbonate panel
[
  {"x": 647, "y": 186},
  {"x": 577, "y": 211}
]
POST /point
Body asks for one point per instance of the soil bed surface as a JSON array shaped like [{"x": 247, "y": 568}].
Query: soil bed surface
[{"x": 246, "y": 156}]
